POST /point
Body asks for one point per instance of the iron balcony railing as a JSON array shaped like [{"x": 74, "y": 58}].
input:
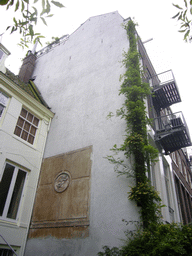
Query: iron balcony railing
[
  {"x": 172, "y": 132},
  {"x": 165, "y": 91}
]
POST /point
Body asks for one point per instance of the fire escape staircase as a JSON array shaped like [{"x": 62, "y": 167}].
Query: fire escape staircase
[{"x": 171, "y": 130}]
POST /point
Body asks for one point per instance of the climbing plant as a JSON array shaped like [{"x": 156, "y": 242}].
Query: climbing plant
[
  {"x": 161, "y": 239},
  {"x": 136, "y": 144}
]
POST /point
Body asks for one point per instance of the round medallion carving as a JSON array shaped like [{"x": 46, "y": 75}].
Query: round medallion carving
[{"x": 61, "y": 182}]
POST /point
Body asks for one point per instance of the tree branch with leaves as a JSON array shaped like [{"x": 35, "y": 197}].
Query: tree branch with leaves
[
  {"x": 183, "y": 17},
  {"x": 29, "y": 16}
]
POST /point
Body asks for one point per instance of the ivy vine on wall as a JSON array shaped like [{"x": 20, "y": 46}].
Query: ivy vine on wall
[{"x": 136, "y": 144}]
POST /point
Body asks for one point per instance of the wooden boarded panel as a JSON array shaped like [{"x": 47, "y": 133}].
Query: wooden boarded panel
[{"x": 55, "y": 211}]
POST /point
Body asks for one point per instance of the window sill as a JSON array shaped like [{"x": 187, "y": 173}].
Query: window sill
[
  {"x": 24, "y": 142},
  {"x": 8, "y": 222}
]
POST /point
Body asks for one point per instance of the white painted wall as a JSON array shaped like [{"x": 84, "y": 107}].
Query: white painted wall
[
  {"x": 23, "y": 154},
  {"x": 79, "y": 80}
]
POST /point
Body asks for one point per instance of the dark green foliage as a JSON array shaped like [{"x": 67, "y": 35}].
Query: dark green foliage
[
  {"x": 147, "y": 197},
  {"x": 158, "y": 240},
  {"x": 136, "y": 141},
  {"x": 110, "y": 252}
]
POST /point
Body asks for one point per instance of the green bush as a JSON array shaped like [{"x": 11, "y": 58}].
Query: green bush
[{"x": 158, "y": 240}]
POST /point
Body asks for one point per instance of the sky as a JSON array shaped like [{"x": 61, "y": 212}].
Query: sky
[{"x": 167, "y": 50}]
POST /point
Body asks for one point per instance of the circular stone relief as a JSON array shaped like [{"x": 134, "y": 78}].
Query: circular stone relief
[{"x": 62, "y": 182}]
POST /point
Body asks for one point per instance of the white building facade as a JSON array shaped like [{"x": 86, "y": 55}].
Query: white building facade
[
  {"x": 24, "y": 125},
  {"x": 80, "y": 201}
]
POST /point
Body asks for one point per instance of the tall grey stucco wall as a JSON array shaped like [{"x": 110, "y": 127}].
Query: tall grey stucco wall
[{"x": 80, "y": 82}]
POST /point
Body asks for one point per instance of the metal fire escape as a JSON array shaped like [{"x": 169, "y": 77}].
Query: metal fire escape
[{"x": 171, "y": 130}]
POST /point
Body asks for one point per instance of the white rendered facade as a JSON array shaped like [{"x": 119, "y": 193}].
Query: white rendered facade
[
  {"x": 79, "y": 79},
  {"x": 20, "y": 162}
]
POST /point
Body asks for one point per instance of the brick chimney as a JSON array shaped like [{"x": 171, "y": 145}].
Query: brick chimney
[{"x": 27, "y": 67}]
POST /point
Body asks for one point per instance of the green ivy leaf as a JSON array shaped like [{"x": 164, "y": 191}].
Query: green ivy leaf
[
  {"x": 176, "y": 15},
  {"x": 10, "y": 4},
  {"x": 13, "y": 29},
  {"x": 35, "y": 13},
  {"x": 50, "y": 15},
  {"x": 17, "y": 6},
  {"x": 48, "y": 7},
  {"x": 182, "y": 31},
  {"x": 31, "y": 32},
  {"x": 15, "y": 21},
  {"x": 3, "y": 2},
  {"x": 43, "y": 20},
  {"x": 43, "y": 4},
  {"x": 180, "y": 16},
  {"x": 23, "y": 6},
  {"x": 58, "y": 4},
  {"x": 186, "y": 35},
  {"x": 43, "y": 12},
  {"x": 177, "y": 6}
]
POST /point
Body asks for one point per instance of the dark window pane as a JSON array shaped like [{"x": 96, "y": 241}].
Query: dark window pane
[
  {"x": 6, "y": 252},
  {"x": 31, "y": 139},
  {"x": 17, "y": 131},
  {"x": 29, "y": 117},
  {"x": 24, "y": 135},
  {"x": 33, "y": 130},
  {"x": 20, "y": 122},
  {"x": 4, "y": 185},
  {"x": 35, "y": 121},
  {"x": 27, "y": 126},
  {"x": 23, "y": 112},
  {"x": 1, "y": 109},
  {"x": 16, "y": 196}
]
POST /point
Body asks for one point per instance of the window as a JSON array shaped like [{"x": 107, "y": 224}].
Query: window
[
  {"x": 6, "y": 252},
  {"x": 27, "y": 125},
  {"x": 3, "y": 102},
  {"x": 11, "y": 188}
]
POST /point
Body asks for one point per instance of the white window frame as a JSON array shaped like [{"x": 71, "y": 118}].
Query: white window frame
[
  {"x": 1, "y": 54},
  {"x": 3, "y": 102},
  {"x": 10, "y": 192},
  {"x": 28, "y": 133}
]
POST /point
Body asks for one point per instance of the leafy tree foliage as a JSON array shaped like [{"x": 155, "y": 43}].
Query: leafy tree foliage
[
  {"x": 183, "y": 17},
  {"x": 159, "y": 239},
  {"x": 28, "y": 17}
]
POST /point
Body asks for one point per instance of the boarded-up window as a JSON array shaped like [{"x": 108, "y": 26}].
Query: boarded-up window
[{"x": 63, "y": 213}]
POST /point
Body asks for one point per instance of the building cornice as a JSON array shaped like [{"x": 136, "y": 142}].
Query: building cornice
[{"x": 13, "y": 89}]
